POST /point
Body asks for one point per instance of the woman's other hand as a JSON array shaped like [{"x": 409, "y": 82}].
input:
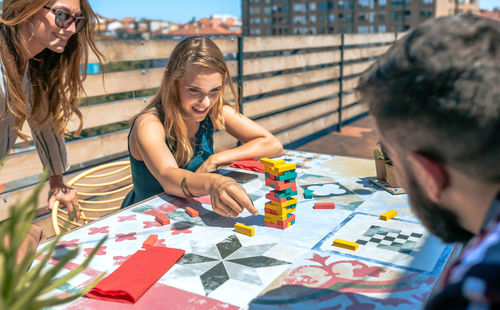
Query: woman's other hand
[{"x": 66, "y": 196}]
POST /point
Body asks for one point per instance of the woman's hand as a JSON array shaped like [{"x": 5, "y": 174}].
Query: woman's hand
[
  {"x": 229, "y": 199},
  {"x": 211, "y": 164},
  {"x": 64, "y": 194}
]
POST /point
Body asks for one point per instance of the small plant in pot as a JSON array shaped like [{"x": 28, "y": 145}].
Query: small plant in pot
[
  {"x": 392, "y": 179},
  {"x": 381, "y": 158}
]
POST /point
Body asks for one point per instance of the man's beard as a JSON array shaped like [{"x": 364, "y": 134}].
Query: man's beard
[{"x": 438, "y": 220}]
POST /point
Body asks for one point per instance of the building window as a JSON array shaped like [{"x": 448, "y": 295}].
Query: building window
[
  {"x": 346, "y": 29},
  {"x": 267, "y": 1},
  {"x": 427, "y": 1},
  {"x": 331, "y": 18},
  {"x": 381, "y": 16},
  {"x": 312, "y": 6},
  {"x": 425, "y": 14},
  {"x": 324, "y": 6},
  {"x": 267, "y": 10},
  {"x": 346, "y": 17},
  {"x": 382, "y": 2},
  {"x": 266, "y": 21},
  {"x": 346, "y": 4},
  {"x": 299, "y": 7},
  {"x": 381, "y": 28},
  {"x": 254, "y": 10},
  {"x": 312, "y": 19},
  {"x": 400, "y": 3},
  {"x": 299, "y": 20},
  {"x": 322, "y": 19},
  {"x": 363, "y": 29},
  {"x": 366, "y": 3}
]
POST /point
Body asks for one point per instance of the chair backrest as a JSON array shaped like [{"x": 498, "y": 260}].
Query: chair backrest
[{"x": 100, "y": 190}]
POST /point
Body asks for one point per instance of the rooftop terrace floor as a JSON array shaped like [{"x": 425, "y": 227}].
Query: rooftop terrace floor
[{"x": 356, "y": 139}]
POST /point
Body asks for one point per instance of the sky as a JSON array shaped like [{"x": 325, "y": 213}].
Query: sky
[
  {"x": 179, "y": 11},
  {"x": 182, "y": 11}
]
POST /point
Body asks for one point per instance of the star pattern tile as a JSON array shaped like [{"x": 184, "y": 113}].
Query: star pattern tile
[{"x": 228, "y": 259}]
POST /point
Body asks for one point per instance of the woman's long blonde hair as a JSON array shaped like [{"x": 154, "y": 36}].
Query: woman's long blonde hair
[
  {"x": 55, "y": 78},
  {"x": 193, "y": 51}
]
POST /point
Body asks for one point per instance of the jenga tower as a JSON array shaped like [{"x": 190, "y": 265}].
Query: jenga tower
[{"x": 281, "y": 177}]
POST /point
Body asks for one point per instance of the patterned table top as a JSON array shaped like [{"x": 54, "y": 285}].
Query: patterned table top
[{"x": 396, "y": 265}]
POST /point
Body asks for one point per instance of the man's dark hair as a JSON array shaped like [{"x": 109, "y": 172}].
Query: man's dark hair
[{"x": 437, "y": 92}]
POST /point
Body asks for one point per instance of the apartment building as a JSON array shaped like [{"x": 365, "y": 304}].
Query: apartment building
[{"x": 293, "y": 17}]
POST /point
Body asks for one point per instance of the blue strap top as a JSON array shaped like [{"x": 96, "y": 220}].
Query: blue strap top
[{"x": 146, "y": 185}]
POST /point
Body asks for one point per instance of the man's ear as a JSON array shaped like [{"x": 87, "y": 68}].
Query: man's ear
[{"x": 430, "y": 174}]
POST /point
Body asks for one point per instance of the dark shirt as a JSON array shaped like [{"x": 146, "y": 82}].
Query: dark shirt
[
  {"x": 473, "y": 281},
  {"x": 146, "y": 185}
]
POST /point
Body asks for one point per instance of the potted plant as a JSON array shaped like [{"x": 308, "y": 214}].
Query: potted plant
[
  {"x": 392, "y": 179},
  {"x": 23, "y": 283},
  {"x": 381, "y": 158}
]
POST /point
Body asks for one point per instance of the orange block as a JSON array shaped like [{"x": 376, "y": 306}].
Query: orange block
[
  {"x": 192, "y": 212},
  {"x": 324, "y": 205},
  {"x": 150, "y": 241},
  {"x": 162, "y": 219}
]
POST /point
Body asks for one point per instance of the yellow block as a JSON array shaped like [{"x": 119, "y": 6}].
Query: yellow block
[
  {"x": 244, "y": 229},
  {"x": 280, "y": 210},
  {"x": 388, "y": 215},
  {"x": 285, "y": 203},
  {"x": 277, "y": 217},
  {"x": 278, "y": 170},
  {"x": 267, "y": 162},
  {"x": 345, "y": 244}
]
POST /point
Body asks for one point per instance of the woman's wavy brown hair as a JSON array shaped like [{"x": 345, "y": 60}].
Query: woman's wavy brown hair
[
  {"x": 192, "y": 51},
  {"x": 55, "y": 78}
]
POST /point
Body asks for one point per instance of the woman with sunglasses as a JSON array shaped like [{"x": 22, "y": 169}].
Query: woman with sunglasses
[{"x": 44, "y": 48}]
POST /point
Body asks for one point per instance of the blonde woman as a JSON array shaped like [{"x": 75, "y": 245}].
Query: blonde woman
[
  {"x": 43, "y": 45},
  {"x": 171, "y": 141}
]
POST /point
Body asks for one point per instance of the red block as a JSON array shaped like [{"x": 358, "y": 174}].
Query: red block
[
  {"x": 162, "y": 219},
  {"x": 150, "y": 241},
  {"x": 192, "y": 212},
  {"x": 271, "y": 196},
  {"x": 324, "y": 205},
  {"x": 281, "y": 185},
  {"x": 271, "y": 211}
]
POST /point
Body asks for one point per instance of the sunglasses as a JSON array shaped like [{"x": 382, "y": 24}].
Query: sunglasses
[{"x": 64, "y": 19}]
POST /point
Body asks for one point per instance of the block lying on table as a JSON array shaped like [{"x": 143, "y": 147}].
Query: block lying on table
[
  {"x": 345, "y": 244},
  {"x": 324, "y": 205},
  {"x": 162, "y": 219},
  {"x": 192, "y": 212},
  {"x": 150, "y": 241},
  {"x": 388, "y": 215},
  {"x": 244, "y": 229}
]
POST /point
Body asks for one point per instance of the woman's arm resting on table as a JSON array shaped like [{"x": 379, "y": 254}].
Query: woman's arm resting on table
[
  {"x": 258, "y": 142},
  {"x": 147, "y": 143}
]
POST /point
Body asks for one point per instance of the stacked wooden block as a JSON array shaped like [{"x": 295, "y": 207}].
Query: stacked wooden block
[{"x": 281, "y": 177}]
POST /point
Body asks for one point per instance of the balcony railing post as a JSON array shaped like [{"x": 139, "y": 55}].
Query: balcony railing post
[
  {"x": 341, "y": 80},
  {"x": 240, "y": 73},
  {"x": 240, "y": 77}
]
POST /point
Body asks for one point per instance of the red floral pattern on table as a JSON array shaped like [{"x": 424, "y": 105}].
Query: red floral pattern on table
[
  {"x": 69, "y": 243},
  {"x": 204, "y": 200},
  {"x": 127, "y": 236},
  {"x": 163, "y": 209},
  {"x": 126, "y": 218},
  {"x": 149, "y": 224},
  {"x": 341, "y": 274},
  {"x": 120, "y": 259},
  {"x": 101, "y": 251},
  {"x": 160, "y": 242},
  {"x": 99, "y": 230},
  {"x": 182, "y": 230}
]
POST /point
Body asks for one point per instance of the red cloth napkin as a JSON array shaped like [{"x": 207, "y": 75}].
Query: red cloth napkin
[
  {"x": 136, "y": 275},
  {"x": 250, "y": 164}
]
